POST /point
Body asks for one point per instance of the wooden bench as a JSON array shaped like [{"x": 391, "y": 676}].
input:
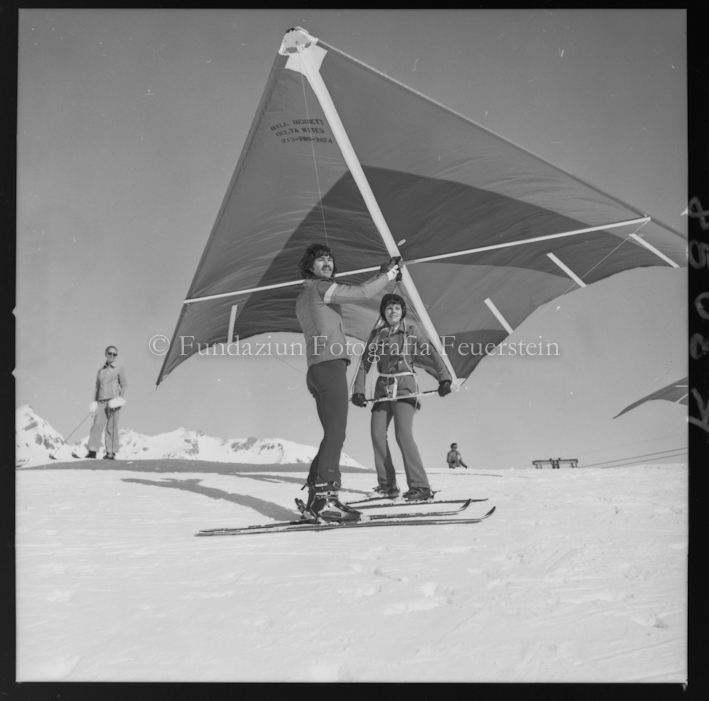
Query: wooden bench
[{"x": 555, "y": 463}]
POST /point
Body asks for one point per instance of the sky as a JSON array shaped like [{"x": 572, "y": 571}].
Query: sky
[{"x": 130, "y": 123}]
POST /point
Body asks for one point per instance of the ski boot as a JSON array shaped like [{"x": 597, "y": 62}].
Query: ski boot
[
  {"x": 324, "y": 504},
  {"x": 418, "y": 494},
  {"x": 387, "y": 492}
]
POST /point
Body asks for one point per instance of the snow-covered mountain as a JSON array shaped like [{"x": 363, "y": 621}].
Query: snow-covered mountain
[{"x": 36, "y": 440}]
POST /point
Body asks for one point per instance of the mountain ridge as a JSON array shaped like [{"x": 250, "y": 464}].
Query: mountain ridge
[{"x": 36, "y": 440}]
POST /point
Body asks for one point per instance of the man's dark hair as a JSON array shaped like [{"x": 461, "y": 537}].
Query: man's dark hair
[
  {"x": 108, "y": 348},
  {"x": 313, "y": 251}
]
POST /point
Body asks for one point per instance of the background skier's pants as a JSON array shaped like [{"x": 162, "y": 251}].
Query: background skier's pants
[
  {"x": 108, "y": 418},
  {"x": 327, "y": 382},
  {"x": 403, "y": 415}
]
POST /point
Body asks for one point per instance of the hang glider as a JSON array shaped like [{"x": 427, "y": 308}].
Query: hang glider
[
  {"x": 341, "y": 154},
  {"x": 677, "y": 392}
]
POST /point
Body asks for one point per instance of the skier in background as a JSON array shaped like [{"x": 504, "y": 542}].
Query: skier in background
[
  {"x": 111, "y": 384},
  {"x": 454, "y": 458}
]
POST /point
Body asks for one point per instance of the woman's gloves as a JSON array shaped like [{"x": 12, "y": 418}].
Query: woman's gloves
[
  {"x": 358, "y": 400},
  {"x": 444, "y": 388}
]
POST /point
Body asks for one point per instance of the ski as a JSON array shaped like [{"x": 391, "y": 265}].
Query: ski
[
  {"x": 464, "y": 504},
  {"x": 391, "y": 499},
  {"x": 383, "y": 502},
  {"x": 314, "y": 525}
]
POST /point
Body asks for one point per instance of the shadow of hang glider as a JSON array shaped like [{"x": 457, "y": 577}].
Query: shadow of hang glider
[
  {"x": 263, "y": 507},
  {"x": 676, "y": 392}
]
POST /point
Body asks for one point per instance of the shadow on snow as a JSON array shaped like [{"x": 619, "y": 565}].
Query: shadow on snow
[
  {"x": 264, "y": 473},
  {"x": 192, "y": 466},
  {"x": 265, "y": 508}
]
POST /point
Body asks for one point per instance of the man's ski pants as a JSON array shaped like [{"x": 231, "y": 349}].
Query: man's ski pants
[{"x": 327, "y": 382}]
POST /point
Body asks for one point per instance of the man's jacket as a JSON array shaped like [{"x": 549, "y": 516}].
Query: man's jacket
[{"x": 320, "y": 316}]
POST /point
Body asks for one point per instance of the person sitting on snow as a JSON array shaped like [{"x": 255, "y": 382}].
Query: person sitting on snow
[{"x": 454, "y": 458}]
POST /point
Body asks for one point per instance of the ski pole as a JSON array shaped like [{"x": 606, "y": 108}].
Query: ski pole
[{"x": 64, "y": 440}]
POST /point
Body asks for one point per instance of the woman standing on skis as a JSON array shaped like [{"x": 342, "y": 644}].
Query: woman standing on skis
[
  {"x": 318, "y": 311},
  {"x": 397, "y": 345}
]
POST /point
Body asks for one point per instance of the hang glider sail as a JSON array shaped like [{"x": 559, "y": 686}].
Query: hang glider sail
[
  {"x": 341, "y": 154},
  {"x": 677, "y": 392}
]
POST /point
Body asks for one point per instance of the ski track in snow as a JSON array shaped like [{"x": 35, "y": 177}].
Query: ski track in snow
[{"x": 580, "y": 575}]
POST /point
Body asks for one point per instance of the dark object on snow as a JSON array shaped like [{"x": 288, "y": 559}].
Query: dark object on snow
[{"x": 555, "y": 463}]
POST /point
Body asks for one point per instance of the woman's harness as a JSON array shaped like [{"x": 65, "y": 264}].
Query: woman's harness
[{"x": 392, "y": 378}]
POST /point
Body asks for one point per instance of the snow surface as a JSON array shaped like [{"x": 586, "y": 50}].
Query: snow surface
[
  {"x": 36, "y": 440},
  {"x": 580, "y": 575}
]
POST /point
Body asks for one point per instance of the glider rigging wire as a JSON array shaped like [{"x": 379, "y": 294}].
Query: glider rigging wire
[
  {"x": 675, "y": 452},
  {"x": 312, "y": 149}
]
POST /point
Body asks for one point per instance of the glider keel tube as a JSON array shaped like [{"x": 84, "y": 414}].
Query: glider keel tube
[{"x": 310, "y": 61}]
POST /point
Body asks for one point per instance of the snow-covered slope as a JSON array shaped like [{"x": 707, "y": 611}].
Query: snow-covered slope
[
  {"x": 579, "y": 576},
  {"x": 36, "y": 440}
]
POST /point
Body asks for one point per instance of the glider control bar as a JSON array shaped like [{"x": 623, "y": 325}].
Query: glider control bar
[
  {"x": 401, "y": 396},
  {"x": 427, "y": 259}
]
